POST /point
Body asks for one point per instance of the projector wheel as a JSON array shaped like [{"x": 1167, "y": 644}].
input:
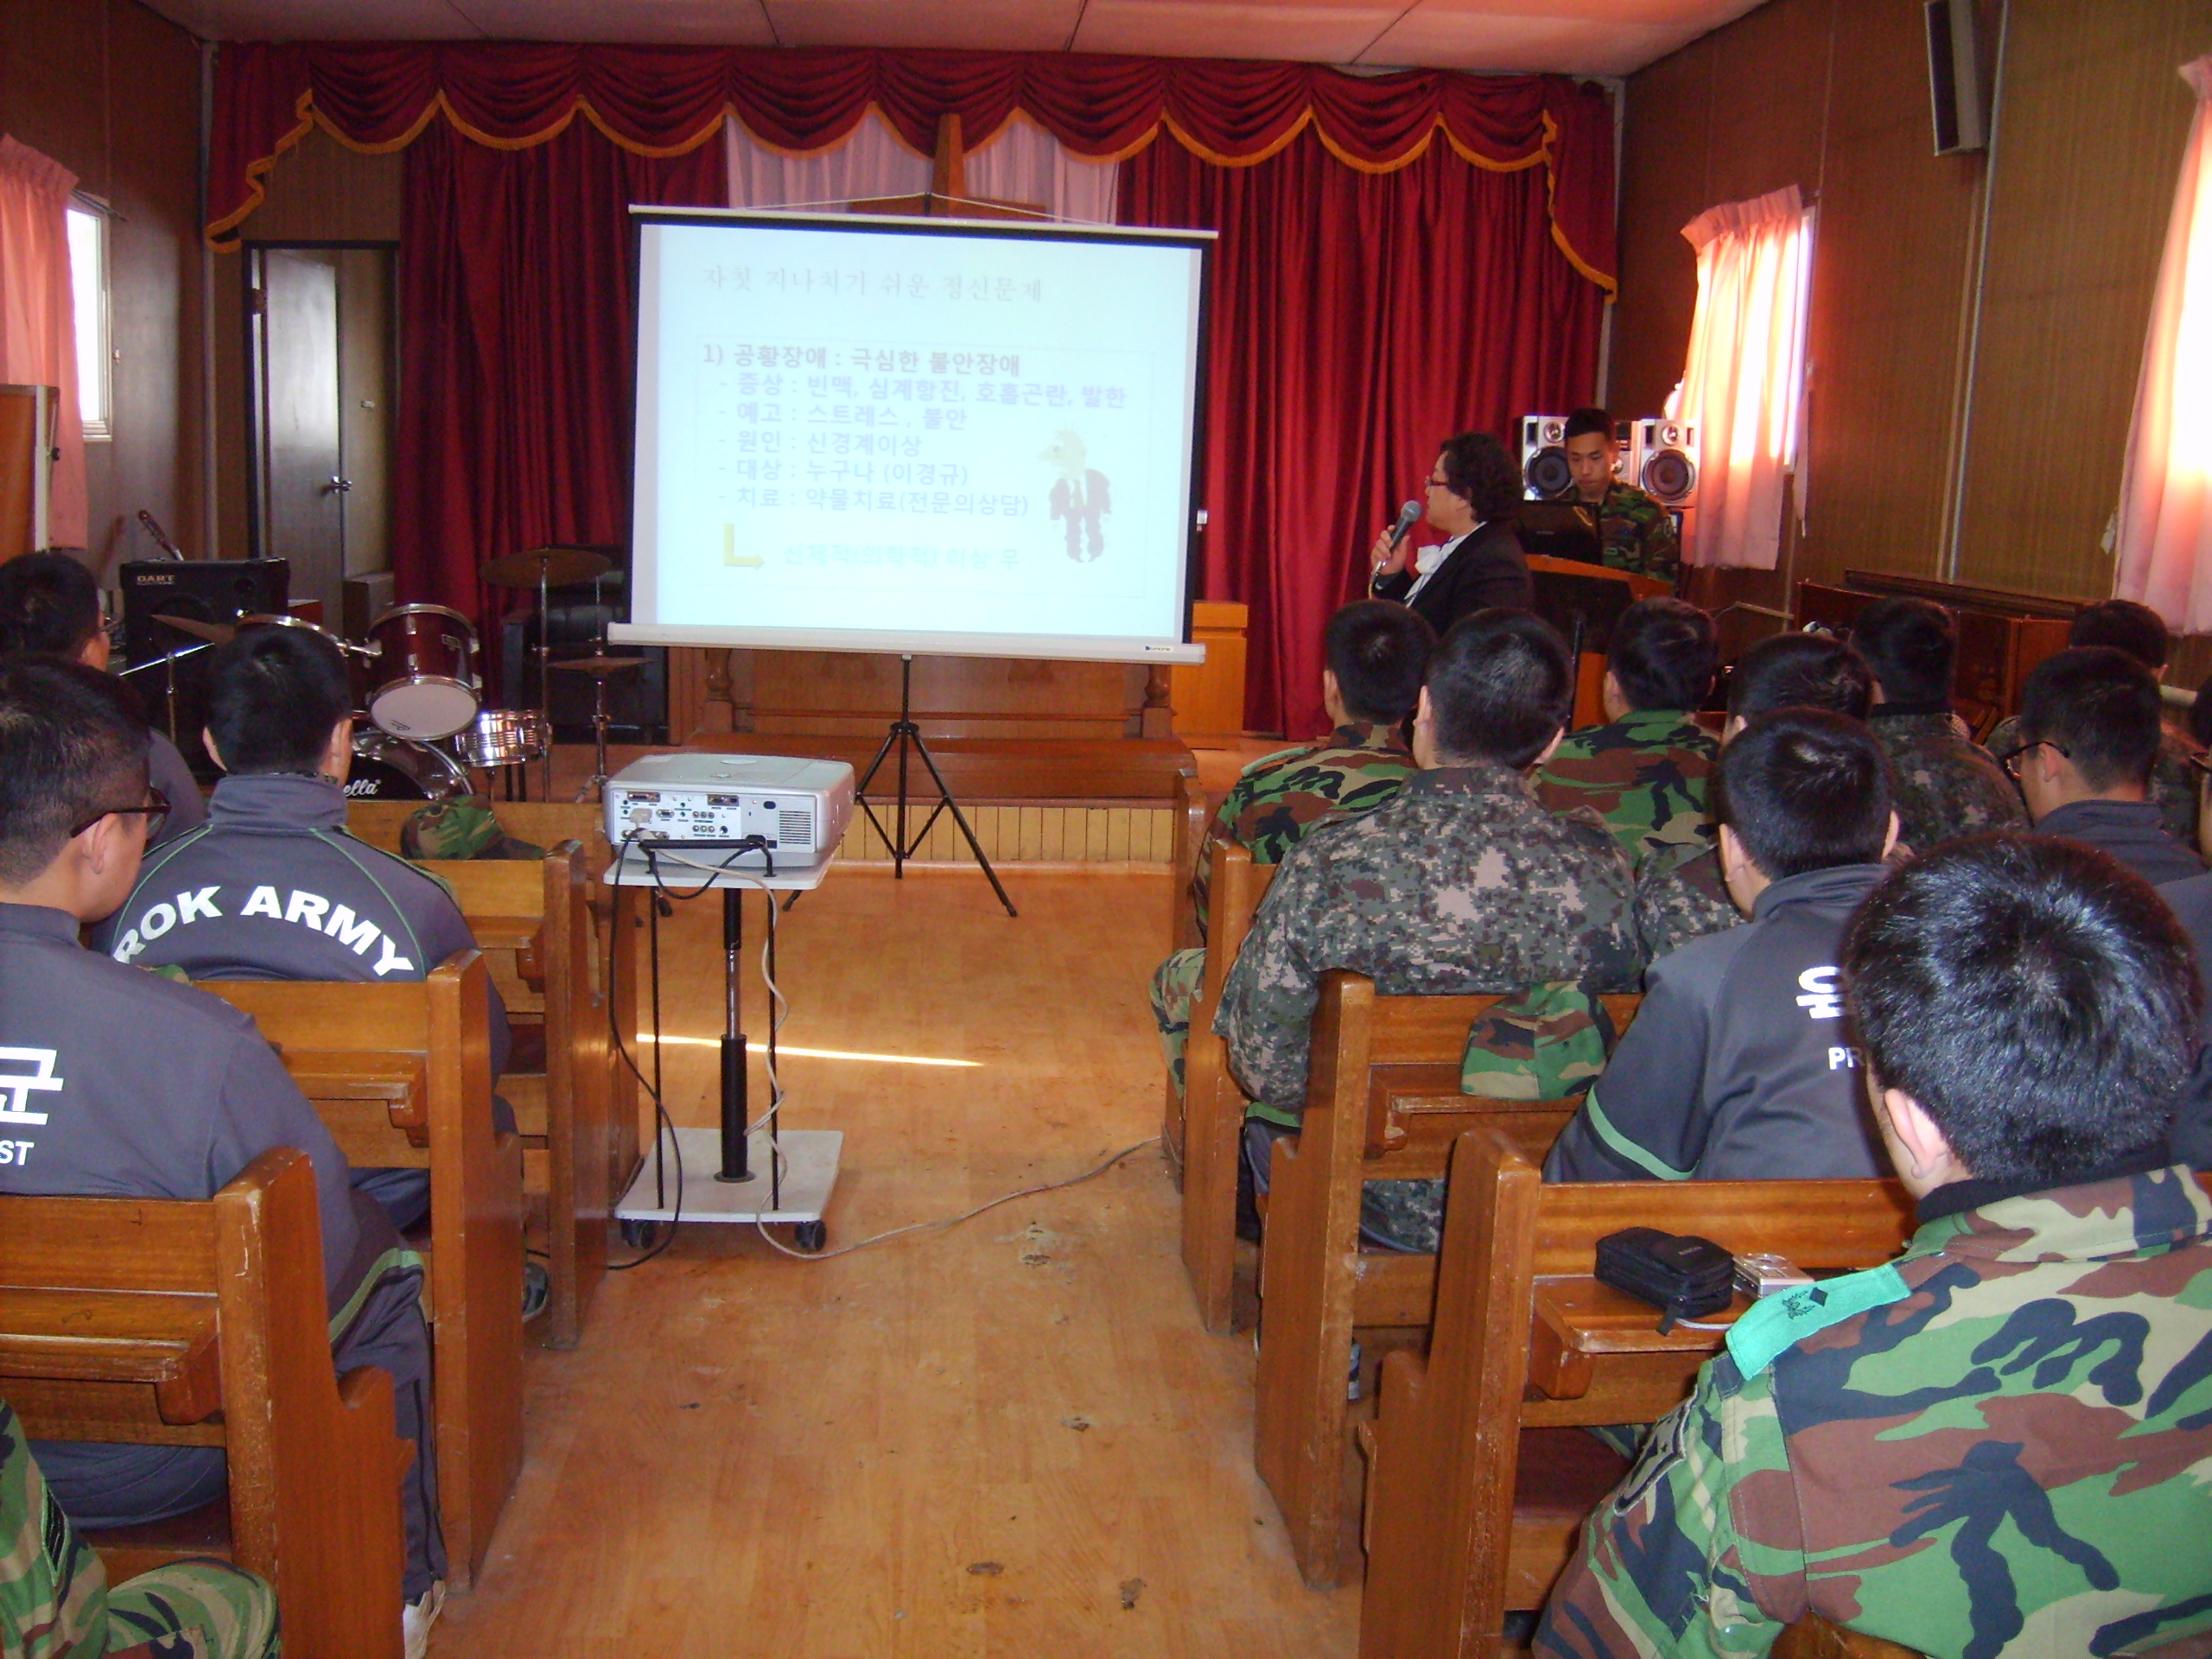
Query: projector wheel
[
  {"x": 810, "y": 1235},
  {"x": 640, "y": 1234}
]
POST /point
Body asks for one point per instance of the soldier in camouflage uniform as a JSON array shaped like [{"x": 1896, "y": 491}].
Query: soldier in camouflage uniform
[
  {"x": 1635, "y": 533},
  {"x": 1947, "y": 785},
  {"x": 1377, "y": 652},
  {"x": 1993, "y": 1447},
  {"x": 1462, "y": 885},
  {"x": 1679, "y": 893},
  {"x": 55, "y": 1601},
  {"x": 1643, "y": 771}
]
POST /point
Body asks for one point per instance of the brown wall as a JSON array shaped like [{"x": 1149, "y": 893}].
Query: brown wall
[
  {"x": 111, "y": 92},
  {"x": 1832, "y": 95}
]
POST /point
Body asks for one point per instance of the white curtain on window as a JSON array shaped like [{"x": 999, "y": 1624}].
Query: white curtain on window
[
  {"x": 38, "y": 333},
  {"x": 1022, "y": 162},
  {"x": 1744, "y": 381},
  {"x": 2164, "y": 546}
]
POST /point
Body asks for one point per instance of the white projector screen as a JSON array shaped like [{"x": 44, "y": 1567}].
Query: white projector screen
[{"x": 915, "y": 434}]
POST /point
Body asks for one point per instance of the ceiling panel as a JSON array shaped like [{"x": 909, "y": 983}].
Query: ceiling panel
[
  {"x": 1303, "y": 31},
  {"x": 995, "y": 25},
  {"x": 321, "y": 20},
  {"x": 661, "y": 23}
]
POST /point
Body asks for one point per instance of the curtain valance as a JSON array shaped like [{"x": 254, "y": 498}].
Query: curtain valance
[{"x": 665, "y": 101}]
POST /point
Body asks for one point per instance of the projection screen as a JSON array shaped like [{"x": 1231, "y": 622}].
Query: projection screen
[{"x": 916, "y": 435}]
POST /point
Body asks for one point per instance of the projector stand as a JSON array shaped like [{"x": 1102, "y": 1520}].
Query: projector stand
[{"x": 906, "y": 736}]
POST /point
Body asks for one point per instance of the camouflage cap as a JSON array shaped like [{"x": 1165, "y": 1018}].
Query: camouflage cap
[
  {"x": 464, "y": 826},
  {"x": 1547, "y": 1043}
]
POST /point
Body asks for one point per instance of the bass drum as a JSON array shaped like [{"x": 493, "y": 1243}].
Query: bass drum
[{"x": 388, "y": 768}]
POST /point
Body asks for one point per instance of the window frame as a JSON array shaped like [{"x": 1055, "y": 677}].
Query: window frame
[{"x": 84, "y": 207}]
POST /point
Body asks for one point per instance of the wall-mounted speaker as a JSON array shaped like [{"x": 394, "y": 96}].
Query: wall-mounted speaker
[
  {"x": 1954, "y": 77},
  {"x": 1545, "y": 475}
]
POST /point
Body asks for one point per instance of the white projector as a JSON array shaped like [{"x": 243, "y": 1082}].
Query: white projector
[{"x": 798, "y": 807}]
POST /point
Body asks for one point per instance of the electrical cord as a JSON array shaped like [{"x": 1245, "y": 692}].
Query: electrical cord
[{"x": 662, "y": 1124}]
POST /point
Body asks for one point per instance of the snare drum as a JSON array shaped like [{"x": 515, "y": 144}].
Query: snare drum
[
  {"x": 425, "y": 683},
  {"x": 504, "y": 737},
  {"x": 388, "y": 768}
]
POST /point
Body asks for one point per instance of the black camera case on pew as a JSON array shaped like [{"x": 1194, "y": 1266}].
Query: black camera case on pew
[{"x": 1680, "y": 1273}]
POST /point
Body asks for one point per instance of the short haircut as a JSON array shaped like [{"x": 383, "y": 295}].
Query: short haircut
[
  {"x": 1501, "y": 686},
  {"x": 2038, "y": 1001},
  {"x": 2100, "y": 706},
  {"x": 73, "y": 744},
  {"x": 1584, "y": 420},
  {"x": 2124, "y": 625},
  {"x": 1379, "y": 650},
  {"x": 1478, "y": 470},
  {"x": 1804, "y": 789},
  {"x": 48, "y": 602},
  {"x": 273, "y": 695},
  {"x": 1801, "y": 670},
  {"x": 1911, "y": 645},
  {"x": 1664, "y": 653}
]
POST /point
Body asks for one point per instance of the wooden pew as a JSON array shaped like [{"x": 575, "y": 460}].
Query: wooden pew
[
  {"x": 1213, "y": 1104},
  {"x": 543, "y": 823},
  {"x": 170, "y": 1323},
  {"x": 1383, "y": 1103},
  {"x": 1191, "y": 817},
  {"x": 402, "y": 1075},
  {"x": 533, "y": 921},
  {"x": 1479, "y": 1481}
]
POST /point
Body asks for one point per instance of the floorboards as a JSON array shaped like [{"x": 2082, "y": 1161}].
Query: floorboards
[{"x": 1005, "y": 1437}]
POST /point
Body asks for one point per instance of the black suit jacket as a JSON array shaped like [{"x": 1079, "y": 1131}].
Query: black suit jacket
[{"x": 1489, "y": 568}]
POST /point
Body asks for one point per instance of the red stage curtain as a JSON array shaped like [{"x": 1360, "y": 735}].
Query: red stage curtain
[
  {"x": 517, "y": 341},
  {"x": 1357, "y": 319},
  {"x": 663, "y": 101}
]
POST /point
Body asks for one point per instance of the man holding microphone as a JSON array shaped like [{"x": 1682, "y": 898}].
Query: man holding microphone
[{"x": 1474, "y": 492}]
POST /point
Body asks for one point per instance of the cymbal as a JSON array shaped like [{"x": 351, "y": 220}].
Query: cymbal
[
  {"x": 556, "y": 566},
  {"x": 597, "y": 667},
  {"x": 218, "y": 633}
]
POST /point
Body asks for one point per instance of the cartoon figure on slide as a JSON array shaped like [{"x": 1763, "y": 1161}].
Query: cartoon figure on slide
[{"x": 1081, "y": 496}]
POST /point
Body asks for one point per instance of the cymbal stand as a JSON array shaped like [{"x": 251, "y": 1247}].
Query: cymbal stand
[
  {"x": 906, "y": 737},
  {"x": 545, "y": 672},
  {"x": 595, "y": 787}
]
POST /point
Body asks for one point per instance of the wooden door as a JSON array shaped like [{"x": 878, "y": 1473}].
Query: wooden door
[{"x": 298, "y": 460}]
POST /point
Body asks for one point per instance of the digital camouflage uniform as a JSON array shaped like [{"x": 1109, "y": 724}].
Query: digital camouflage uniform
[
  {"x": 1944, "y": 784},
  {"x": 1644, "y": 774},
  {"x": 55, "y": 1599},
  {"x": 1636, "y": 533},
  {"x": 1681, "y": 895},
  {"x": 1461, "y": 885},
  {"x": 2173, "y": 776},
  {"x": 1275, "y": 801},
  {"x": 1993, "y": 1447}
]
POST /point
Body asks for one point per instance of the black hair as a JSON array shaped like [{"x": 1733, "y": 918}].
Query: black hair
[
  {"x": 1379, "y": 653},
  {"x": 1806, "y": 671},
  {"x": 73, "y": 744},
  {"x": 274, "y": 694},
  {"x": 1501, "y": 686},
  {"x": 1664, "y": 653},
  {"x": 1911, "y": 645},
  {"x": 2200, "y": 714},
  {"x": 1584, "y": 420},
  {"x": 1480, "y": 471},
  {"x": 2100, "y": 706},
  {"x": 2124, "y": 625},
  {"x": 48, "y": 602},
  {"x": 1804, "y": 789},
  {"x": 2036, "y": 998}
]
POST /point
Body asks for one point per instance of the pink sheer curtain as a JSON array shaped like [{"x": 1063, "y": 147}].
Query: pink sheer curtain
[
  {"x": 1745, "y": 377},
  {"x": 38, "y": 338},
  {"x": 2166, "y": 496}
]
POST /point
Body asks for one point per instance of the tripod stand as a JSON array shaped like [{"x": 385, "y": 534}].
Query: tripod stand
[{"x": 905, "y": 737}]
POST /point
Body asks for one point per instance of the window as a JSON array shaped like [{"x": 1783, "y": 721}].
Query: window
[{"x": 88, "y": 229}]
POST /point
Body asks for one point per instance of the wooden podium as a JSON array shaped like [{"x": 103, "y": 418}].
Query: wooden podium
[{"x": 1582, "y": 600}]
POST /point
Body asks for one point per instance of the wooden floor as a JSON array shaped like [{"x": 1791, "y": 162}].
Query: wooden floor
[{"x": 1008, "y": 1438}]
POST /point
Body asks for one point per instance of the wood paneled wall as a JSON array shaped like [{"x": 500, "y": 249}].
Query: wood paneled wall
[
  {"x": 111, "y": 92},
  {"x": 1832, "y": 95}
]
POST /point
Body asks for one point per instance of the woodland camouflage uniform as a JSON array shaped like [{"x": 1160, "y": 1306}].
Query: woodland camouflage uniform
[
  {"x": 1944, "y": 784},
  {"x": 2173, "y": 776},
  {"x": 1636, "y": 534},
  {"x": 55, "y": 1599},
  {"x": 1275, "y": 801},
  {"x": 1993, "y": 1447},
  {"x": 1644, "y": 774}
]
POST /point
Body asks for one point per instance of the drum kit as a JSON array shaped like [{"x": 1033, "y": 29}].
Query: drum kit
[{"x": 420, "y": 720}]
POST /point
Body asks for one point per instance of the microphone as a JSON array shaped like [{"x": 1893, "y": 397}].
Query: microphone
[{"x": 1403, "y": 528}]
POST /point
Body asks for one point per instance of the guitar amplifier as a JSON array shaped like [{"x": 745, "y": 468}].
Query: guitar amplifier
[{"x": 201, "y": 590}]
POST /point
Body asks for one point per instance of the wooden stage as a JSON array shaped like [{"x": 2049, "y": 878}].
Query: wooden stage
[{"x": 1008, "y": 1438}]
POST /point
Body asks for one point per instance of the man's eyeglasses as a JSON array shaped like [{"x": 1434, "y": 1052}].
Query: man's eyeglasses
[
  {"x": 154, "y": 809},
  {"x": 2010, "y": 758}
]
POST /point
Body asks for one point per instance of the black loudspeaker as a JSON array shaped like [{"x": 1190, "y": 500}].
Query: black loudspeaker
[
  {"x": 199, "y": 590},
  {"x": 1954, "y": 77}
]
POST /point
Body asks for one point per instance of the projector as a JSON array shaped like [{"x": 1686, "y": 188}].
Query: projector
[{"x": 798, "y": 807}]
